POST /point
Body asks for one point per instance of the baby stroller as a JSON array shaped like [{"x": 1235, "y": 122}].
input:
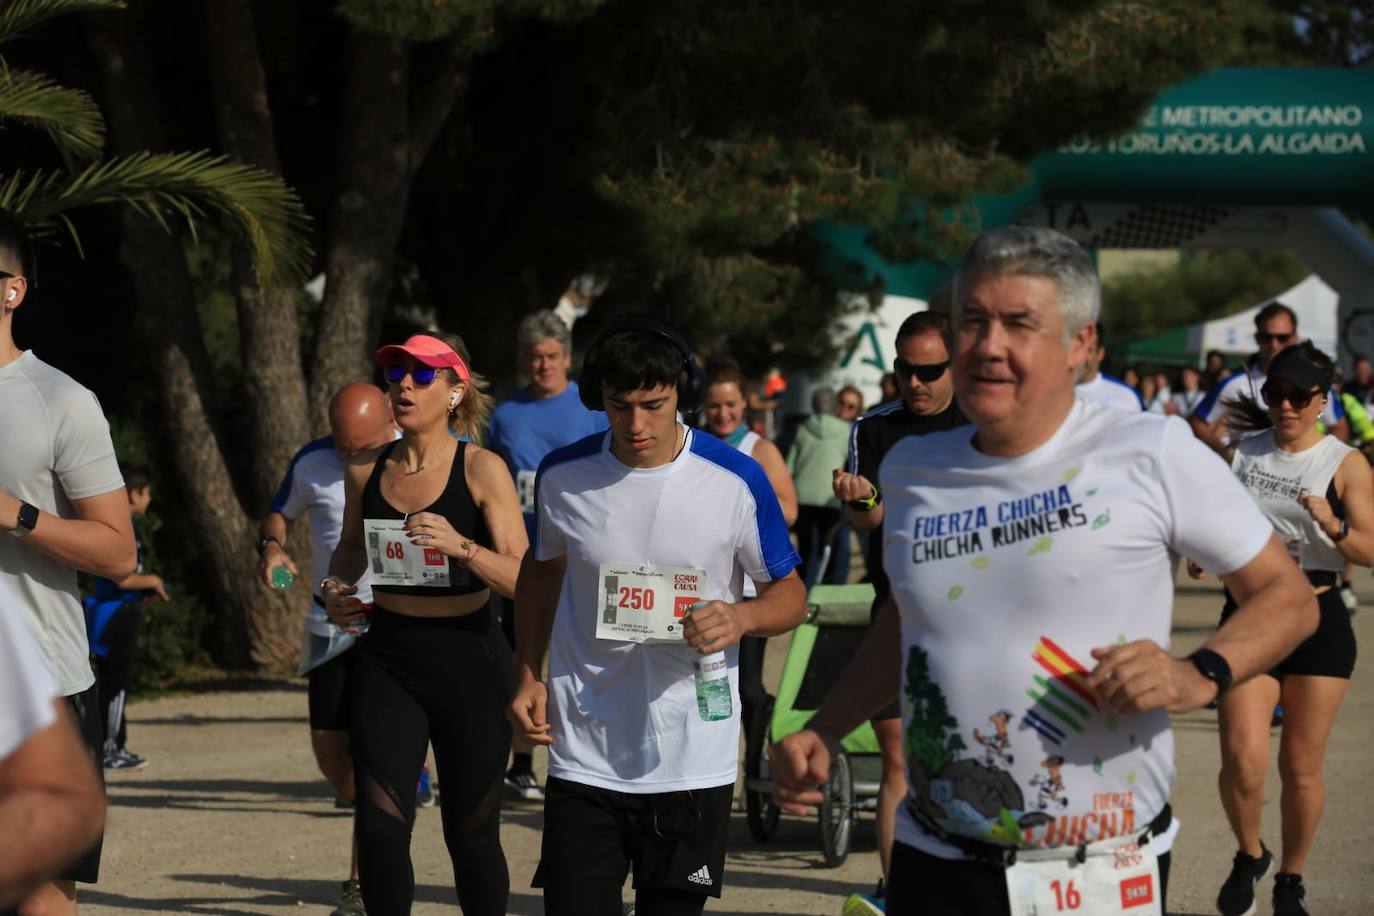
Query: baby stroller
[{"x": 836, "y": 622}]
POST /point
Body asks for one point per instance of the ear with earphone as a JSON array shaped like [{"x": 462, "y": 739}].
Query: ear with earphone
[
  {"x": 691, "y": 381},
  {"x": 12, "y": 295}
]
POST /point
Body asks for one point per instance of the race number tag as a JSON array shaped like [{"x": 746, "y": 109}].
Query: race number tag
[
  {"x": 645, "y": 603},
  {"x": 396, "y": 561},
  {"x": 524, "y": 486},
  {"x": 1121, "y": 879}
]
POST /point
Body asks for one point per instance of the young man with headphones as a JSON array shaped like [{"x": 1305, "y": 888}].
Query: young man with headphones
[{"x": 644, "y": 537}]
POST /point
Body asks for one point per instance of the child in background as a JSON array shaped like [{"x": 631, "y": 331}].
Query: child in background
[{"x": 113, "y": 612}]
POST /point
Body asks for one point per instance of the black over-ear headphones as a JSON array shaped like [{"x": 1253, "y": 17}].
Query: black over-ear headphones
[{"x": 691, "y": 382}]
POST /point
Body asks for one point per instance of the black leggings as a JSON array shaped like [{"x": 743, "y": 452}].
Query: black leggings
[
  {"x": 443, "y": 681},
  {"x": 115, "y": 672}
]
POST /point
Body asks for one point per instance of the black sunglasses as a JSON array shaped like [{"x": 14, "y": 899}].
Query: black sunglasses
[
  {"x": 422, "y": 376},
  {"x": 1264, "y": 337},
  {"x": 927, "y": 372},
  {"x": 1274, "y": 395}
]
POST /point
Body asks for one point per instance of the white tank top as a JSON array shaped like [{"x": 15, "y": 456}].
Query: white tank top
[
  {"x": 1275, "y": 480},
  {"x": 746, "y": 445}
]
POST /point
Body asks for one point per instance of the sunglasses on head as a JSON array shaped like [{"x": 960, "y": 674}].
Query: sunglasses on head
[
  {"x": 1274, "y": 395},
  {"x": 422, "y": 376},
  {"x": 927, "y": 372},
  {"x": 1264, "y": 337}
]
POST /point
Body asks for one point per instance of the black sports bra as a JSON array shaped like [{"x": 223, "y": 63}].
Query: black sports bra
[{"x": 454, "y": 504}]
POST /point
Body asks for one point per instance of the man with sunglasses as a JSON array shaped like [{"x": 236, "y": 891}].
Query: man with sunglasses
[
  {"x": 1276, "y": 327},
  {"x": 925, "y": 404},
  {"x": 63, "y": 507},
  {"x": 1101, "y": 388},
  {"x": 359, "y": 420}
]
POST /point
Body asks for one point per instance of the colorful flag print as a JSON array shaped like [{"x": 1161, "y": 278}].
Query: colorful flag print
[{"x": 1063, "y": 701}]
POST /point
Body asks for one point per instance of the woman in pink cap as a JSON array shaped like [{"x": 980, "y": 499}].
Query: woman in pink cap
[{"x": 436, "y": 521}]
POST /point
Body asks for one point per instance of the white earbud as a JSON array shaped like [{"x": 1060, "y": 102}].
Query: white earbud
[
  {"x": 13, "y": 293},
  {"x": 453, "y": 401}
]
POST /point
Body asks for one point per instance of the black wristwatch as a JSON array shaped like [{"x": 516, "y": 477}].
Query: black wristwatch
[
  {"x": 28, "y": 518},
  {"x": 1212, "y": 666},
  {"x": 873, "y": 500},
  {"x": 264, "y": 541},
  {"x": 1343, "y": 533}
]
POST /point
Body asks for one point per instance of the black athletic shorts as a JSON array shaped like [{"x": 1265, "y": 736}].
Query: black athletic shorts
[
  {"x": 329, "y": 693},
  {"x": 674, "y": 840},
  {"x": 85, "y": 710},
  {"x": 930, "y": 886},
  {"x": 1329, "y": 652}
]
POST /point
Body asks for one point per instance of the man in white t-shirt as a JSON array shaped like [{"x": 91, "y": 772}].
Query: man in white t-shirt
[
  {"x": 1032, "y": 561},
  {"x": 359, "y": 420},
  {"x": 1101, "y": 388},
  {"x": 1276, "y": 327},
  {"x": 636, "y": 527},
  {"x": 51, "y": 805},
  {"x": 63, "y": 508}
]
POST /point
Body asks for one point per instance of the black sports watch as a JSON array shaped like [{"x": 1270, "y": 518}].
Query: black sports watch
[
  {"x": 28, "y": 518},
  {"x": 264, "y": 541},
  {"x": 869, "y": 503},
  {"x": 1212, "y": 666}
]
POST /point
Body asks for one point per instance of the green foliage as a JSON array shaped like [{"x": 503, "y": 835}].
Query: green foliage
[
  {"x": 469, "y": 24},
  {"x": 69, "y": 116},
  {"x": 20, "y": 16},
  {"x": 1204, "y": 285},
  {"x": 932, "y": 734}
]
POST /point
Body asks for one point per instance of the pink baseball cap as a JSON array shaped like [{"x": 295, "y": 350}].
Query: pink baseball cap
[{"x": 427, "y": 351}]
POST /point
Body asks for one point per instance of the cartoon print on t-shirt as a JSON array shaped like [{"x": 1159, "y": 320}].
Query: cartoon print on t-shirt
[
  {"x": 996, "y": 746},
  {"x": 965, "y": 797},
  {"x": 1050, "y": 784}
]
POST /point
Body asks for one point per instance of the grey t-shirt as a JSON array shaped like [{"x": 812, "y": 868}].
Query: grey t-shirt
[{"x": 54, "y": 448}]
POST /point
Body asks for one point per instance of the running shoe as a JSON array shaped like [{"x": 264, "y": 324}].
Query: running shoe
[
  {"x": 1349, "y": 599},
  {"x": 123, "y": 759},
  {"x": 1290, "y": 898},
  {"x": 350, "y": 901},
  {"x": 1237, "y": 897},
  {"x": 866, "y": 904},
  {"x": 523, "y": 784},
  {"x": 426, "y": 796},
  {"x": 341, "y": 802},
  {"x": 1276, "y": 720}
]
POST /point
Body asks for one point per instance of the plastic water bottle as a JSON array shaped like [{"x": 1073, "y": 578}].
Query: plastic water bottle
[
  {"x": 282, "y": 577},
  {"x": 713, "y": 684}
]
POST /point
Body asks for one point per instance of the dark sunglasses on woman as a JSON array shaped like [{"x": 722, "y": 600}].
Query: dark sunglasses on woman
[
  {"x": 422, "y": 376},
  {"x": 1274, "y": 395}
]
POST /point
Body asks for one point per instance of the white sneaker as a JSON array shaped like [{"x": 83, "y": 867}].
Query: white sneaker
[
  {"x": 1349, "y": 599},
  {"x": 525, "y": 786}
]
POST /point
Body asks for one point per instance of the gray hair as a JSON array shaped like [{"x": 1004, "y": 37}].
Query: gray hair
[
  {"x": 1034, "y": 251},
  {"x": 824, "y": 400},
  {"x": 543, "y": 325}
]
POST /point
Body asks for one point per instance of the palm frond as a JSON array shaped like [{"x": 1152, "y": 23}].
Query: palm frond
[
  {"x": 189, "y": 185},
  {"x": 69, "y": 116},
  {"x": 18, "y": 16}
]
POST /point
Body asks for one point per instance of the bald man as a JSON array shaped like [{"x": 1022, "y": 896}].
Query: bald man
[{"x": 359, "y": 419}]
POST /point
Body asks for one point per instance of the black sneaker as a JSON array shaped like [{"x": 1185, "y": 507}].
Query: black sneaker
[
  {"x": 1237, "y": 897},
  {"x": 1290, "y": 899}
]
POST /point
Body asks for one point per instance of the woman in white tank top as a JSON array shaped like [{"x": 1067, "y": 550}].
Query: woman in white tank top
[{"x": 1319, "y": 495}]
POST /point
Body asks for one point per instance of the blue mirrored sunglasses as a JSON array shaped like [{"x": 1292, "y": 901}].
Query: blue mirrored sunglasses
[{"x": 422, "y": 376}]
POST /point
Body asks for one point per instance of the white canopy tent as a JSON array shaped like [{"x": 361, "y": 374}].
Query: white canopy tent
[{"x": 1312, "y": 300}]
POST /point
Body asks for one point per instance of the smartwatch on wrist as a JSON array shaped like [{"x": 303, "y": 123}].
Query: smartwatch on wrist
[
  {"x": 868, "y": 504},
  {"x": 28, "y": 518},
  {"x": 1212, "y": 666},
  {"x": 1343, "y": 533},
  {"x": 264, "y": 541}
]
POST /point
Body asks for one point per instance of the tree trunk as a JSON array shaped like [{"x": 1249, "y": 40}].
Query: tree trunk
[
  {"x": 257, "y": 628},
  {"x": 384, "y": 137},
  {"x": 269, "y": 336}
]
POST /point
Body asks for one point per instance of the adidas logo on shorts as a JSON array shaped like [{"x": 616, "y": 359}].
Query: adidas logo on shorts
[{"x": 701, "y": 876}]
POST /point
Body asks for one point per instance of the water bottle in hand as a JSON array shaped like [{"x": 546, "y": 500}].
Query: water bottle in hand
[{"x": 713, "y": 684}]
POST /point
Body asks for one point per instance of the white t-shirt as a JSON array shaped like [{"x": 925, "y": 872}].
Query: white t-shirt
[
  {"x": 27, "y": 688},
  {"x": 54, "y": 448},
  {"x": 624, "y": 715},
  {"x": 1185, "y": 402},
  {"x": 1007, "y": 573},
  {"x": 1275, "y": 479},
  {"x": 1110, "y": 391},
  {"x": 314, "y": 483}
]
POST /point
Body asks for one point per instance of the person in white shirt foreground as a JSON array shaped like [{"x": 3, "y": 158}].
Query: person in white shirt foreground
[
  {"x": 1032, "y": 560},
  {"x": 645, "y": 532}
]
